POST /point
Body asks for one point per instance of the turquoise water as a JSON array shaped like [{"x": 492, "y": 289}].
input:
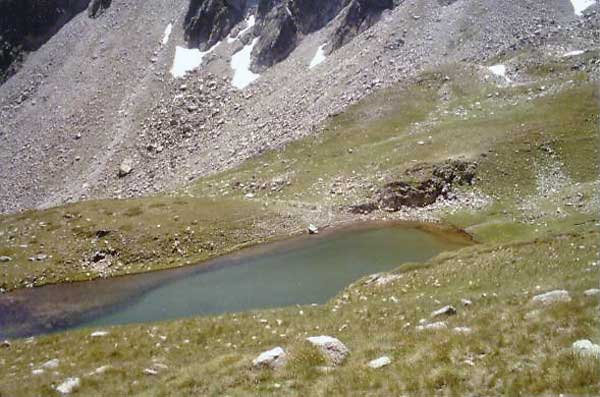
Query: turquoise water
[{"x": 301, "y": 271}]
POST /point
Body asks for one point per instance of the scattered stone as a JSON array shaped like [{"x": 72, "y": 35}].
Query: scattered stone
[
  {"x": 380, "y": 362},
  {"x": 334, "y": 350},
  {"x": 100, "y": 370},
  {"x": 462, "y": 330},
  {"x": 466, "y": 302},
  {"x": 444, "y": 311},
  {"x": 380, "y": 279},
  {"x": 96, "y": 334},
  {"x": 586, "y": 348},
  {"x": 432, "y": 327},
  {"x": 592, "y": 292},
  {"x": 69, "y": 386},
  {"x": 37, "y": 372},
  {"x": 5, "y": 343},
  {"x": 551, "y": 297},
  {"x": 312, "y": 229},
  {"x": 52, "y": 364},
  {"x": 41, "y": 257},
  {"x": 273, "y": 359},
  {"x": 126, "y": 167},
  {"x": 5, "y": 259},
  {"x": 150, "y": 371}
]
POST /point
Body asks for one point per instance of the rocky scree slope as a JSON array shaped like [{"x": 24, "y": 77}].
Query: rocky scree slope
[
  {"x": 25, "y": 25},
  {"x": 99, "y": 91}
]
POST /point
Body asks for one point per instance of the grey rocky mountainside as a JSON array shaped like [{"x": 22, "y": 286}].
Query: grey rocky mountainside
[{"x": 95, "y": 88}]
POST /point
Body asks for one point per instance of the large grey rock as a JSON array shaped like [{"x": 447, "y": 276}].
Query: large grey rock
[
  {"x": 551, "y": 297},
  {"x": 273, "y": 359},
  {"x": 126, "y": 167},
  {"x": 333, "y": 349}
]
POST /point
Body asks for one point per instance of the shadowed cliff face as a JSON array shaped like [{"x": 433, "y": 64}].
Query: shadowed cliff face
[
  {"x": 25, "y": 25},
  {"x": 209, "y": 21},
  {"x": 281, "y": 21}
]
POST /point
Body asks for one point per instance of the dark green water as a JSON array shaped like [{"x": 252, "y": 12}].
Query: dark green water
[{"x": 301, "y": 271}]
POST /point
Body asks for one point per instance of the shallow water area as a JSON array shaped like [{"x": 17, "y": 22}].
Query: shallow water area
[{"x": 305, "y": 270}]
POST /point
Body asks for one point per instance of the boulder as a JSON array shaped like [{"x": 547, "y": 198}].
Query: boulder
[
  {"x": 312, "y": 229},
  {"x": 591, "y": 292},
  {"x": 5, "y": 259},
  {"x": 380, "y": 362},
  {"x": 586, "y": 348},
  {"x": 69, "y": 386},
  {"x": 551, "y": 297},
  {"x": 333, "y": 350},
  {"x": 273, "y": 359},
  {"x": 125, "y": 168},
  {"x": 444, "y": 311}
]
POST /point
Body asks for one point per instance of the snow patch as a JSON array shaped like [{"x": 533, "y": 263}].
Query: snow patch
[
  {"x": 318, "y": 58},
  {"x": 581, "y": 5},
  {"x": 250, "y": 22},
  {"x": 167, "y": 34},
  {"x": 573, "y": 53},
  {"x": 187, "y": 60},
  {"x": 240, "y": 63},
  {"x": 499, "y": 70}
]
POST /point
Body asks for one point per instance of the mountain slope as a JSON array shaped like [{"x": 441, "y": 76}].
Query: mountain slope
[{"x": 89, "y": 98}]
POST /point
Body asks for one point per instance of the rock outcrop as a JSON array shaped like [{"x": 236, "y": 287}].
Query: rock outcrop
[
  {"x": 209, "y": 21},
  {"x": 97, "y": 7},
  {"x": 420, "y": 186},
  {"x": 282, "y": 22},
  {"x": 356, "y": 17}
]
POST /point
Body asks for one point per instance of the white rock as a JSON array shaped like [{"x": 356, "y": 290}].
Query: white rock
[
  {"x": 37, "y": 372},
  {"x": 444, "y": 311},
  {"x": 585, "y": 347},
  {"x": 126, "y": 167},
  {"x": 52, "y": 364},
  {"x": 552, "y": 297},
  {"x": 312, "y": 229},
  {"x": 592, "y": 292},
  {"x": 380, "y": 362},
  {"x": 466, "y": 302},
  {"x": 433, "y": 326},
  {"x": 96, "y": 334},
  {"x": 462, "y": 330},
  {"x": 69, "y": 386},
  {"x": 334, "y": 350},
  {"x": 273, "y": 358}
]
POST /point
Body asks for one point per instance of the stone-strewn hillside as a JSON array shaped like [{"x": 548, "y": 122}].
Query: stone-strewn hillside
[{"x": 100, "y": 93}]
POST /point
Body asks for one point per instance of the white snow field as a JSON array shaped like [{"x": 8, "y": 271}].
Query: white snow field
[
  {"x": 240, "y": 63},
  {"x": 188, "y": 59},
  {"x": 318, "y": 58}
]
